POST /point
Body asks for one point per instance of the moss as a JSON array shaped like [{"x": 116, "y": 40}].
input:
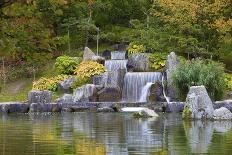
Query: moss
[{"x": 186, "y": 113}]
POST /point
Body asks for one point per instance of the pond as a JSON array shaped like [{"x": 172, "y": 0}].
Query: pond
[{"x": 111, "y": 133}]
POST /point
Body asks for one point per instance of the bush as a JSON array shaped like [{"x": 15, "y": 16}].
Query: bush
[
  {"x": 88, "y": 69},
  {"x": 135, "y": 48},
  {"x": 157, "y": 61},
  {"x": 228, "y": 79},
  {"x": 66, "y": 65},
  {"x": 198, "y": 72},
  {"x": 78, "y": 82},
  {"x": 49, "y": 83}
]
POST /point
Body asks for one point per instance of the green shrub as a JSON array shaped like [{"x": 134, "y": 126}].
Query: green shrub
[
  {"x": 78, "y": 82},
  {"x": 198, "y": 72},
  {"x": 135, "y": 48},
  {"x": 228, "y": 79},
  {"x": 88, "y": 69},
  {"x": 66, "y": 65},
  {"x": 157, "y": 61},
  {"x": 49, "y": 83}
]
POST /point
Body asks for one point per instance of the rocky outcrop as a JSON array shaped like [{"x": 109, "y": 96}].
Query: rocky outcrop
[
  {"x": 145, "y": 112},
  {"x": 198, "y": 104},
  {"x": 45, "y": 107},
  {"x": 226, "y": 103},
  {"x": 88, "y": 54},
  {"x": 98, "y": 59},
  {"x": 222, "y": 114},
  {"x": 156, "y": 93},
  {"x": 171, "y": 65},
  {"x": 65, "y": 86},
  {"x": 65, "y": 99},
  {"x": 36, "y": 96},
  {"x": 109, "y": 94},
  {"x": 14, "y": 107},
  {"x": 138, "y": 62},
  {"x": 105, "y": 109},
  {"x": 86, "y": 93}
]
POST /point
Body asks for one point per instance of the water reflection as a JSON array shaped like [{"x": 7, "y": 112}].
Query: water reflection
[{"x": 91, "y": 133}]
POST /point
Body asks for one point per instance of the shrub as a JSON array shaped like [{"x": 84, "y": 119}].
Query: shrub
[
  {"x": 135, "y": 48},
  {"x": 88, "y": 69},
  {"x": 49, "y": 83},
  {"x": 157, "y": 61},
  {"x": 66, "y": 65},
  {"x": 78, "y": 82},
  {"x": 228, "y": 79},
  {"x": 199, "y": 72}
]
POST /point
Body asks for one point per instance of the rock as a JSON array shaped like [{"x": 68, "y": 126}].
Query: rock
[
  {"x": 65, "y": 86},
  {"x": 116, "y": 78},
  {"x": 14, "y": 107},
  {"x": 118, "y": 55},
  {"x": 175, "y": 107},
  {"x": 198, "y": 104},
  {"x": 88, "y": 54},
  {"x": 86, "y": 93},
  {"x": 222, "y": 114},
  {"x": 98, "y": 59},
  {"x": 106, "y": 54},
  {"x": 109, "y": 94},
  {"x": 138, "y": 62},
  {"x": 146, "y": 113},
  {"x": 171, "y": 65},
  {"x": 36, "y": 96},
  {"x": 45, "y": 107},
  {"x": 226, "y": 103},
  {"x": 156, "y": 93},
  {"x": 105, "y": 109},
  {"x": 100, "y": 79},
  {"x": 65, "y": 99}
]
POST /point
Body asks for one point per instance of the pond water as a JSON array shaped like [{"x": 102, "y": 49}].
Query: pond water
[{"x": 111, "y": 133}]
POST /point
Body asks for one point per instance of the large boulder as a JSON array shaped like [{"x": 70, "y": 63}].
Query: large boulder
[
  {"x": 145, "y": 112},
  {"x": 222, "y": 114},
  {"x": 109, "y": 94},
  {"x": 88, "y": 54},
  {"x": 65, "y": 99},
  {"x": 65, "y": 86},
  {"x": 138, "y": 62},
  {"x": 106, "y": 54},
  {"x": 171, "y": 65},
  {"x": 226, "y": 103},
  {"x": 156, "y": 93},
  {"x": 198, "y": 104},
  {"x": 105, "y": 109},
  {"x": 45, "y": 107},
  {"x": 86, "y": 93},
  {"x": 36, "y": 96},
  {"x": 14, "y": 107}
]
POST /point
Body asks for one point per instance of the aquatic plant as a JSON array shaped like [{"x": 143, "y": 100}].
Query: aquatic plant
[{"x": 200, "y": 72}]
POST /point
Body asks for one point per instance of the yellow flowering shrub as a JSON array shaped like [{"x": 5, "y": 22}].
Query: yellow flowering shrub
[
  {"x": 88, "y": 69},
  {"x": 134, "y": 48},
  {"x": 49, "y": 83}
]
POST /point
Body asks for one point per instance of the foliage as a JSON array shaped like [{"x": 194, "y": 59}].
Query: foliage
[
  {"x": 66, "y": 65},
  {"x": 49, "y": 83},
  {"x": 135, "y": 48},
  {"x": 78, "y": 82},
  {"x": 200, "y": 72},
  {"x": 88, "y": 69},
  {"x": 157, "y": 61},
  {"x": 228, "y": 79}
]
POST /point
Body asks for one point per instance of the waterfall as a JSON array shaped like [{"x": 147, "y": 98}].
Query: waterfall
[
  {"x": 134, "y": 83},
  {"x": 145, "y": 92},
  {"x": 112, "y": 65},
  {"x": 118, "y": 55}
]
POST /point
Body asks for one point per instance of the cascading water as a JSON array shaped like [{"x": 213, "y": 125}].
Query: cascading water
[
  {"x": 118, "y": 55},
  {"x": 145, "y": 92},
  {"x": 134, "y": 83},
  {"x": 113, "y": 65}
]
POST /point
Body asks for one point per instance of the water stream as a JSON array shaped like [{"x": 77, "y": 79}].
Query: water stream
[
  {"x": 113, "y": 65},
  {"x": 134, "y": 83}
]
